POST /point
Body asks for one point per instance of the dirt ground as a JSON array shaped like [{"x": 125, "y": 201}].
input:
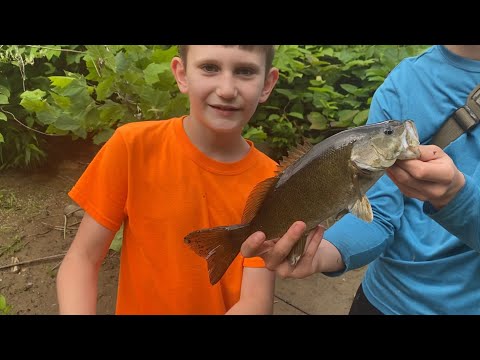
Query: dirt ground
[{"x": 32, "y": 228}]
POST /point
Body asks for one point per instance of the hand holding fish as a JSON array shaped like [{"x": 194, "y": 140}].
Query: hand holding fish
[
  {"x": 433, "y": 177},
  {"x": 275, "y": 252}
]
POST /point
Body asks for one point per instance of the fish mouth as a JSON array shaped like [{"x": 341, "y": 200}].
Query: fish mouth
[
  {"x": 410, "y": 142},
  {"x": 384, "y": 153}
]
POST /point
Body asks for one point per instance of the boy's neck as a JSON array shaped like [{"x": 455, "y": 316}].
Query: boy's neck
[
  {"x": 222, "y": 147},
  {"x": 467, "y": 51}
]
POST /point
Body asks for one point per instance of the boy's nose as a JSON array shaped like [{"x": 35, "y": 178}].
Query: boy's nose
[{"x": 227, "y": 88}]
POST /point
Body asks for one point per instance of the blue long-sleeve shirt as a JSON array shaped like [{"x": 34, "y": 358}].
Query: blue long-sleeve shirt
[{"x": 423, "y": 261}]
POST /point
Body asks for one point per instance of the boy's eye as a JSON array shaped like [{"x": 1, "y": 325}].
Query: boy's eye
[
  {"x": 246, "y": 71},
  {"x": 209, "y": 68}
]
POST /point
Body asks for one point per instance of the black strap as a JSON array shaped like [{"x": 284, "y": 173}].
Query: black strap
[{"x": 462, "y": 120}]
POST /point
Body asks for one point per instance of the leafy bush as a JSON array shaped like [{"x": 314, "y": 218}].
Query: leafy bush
[
  {"x": 322, "y": 90},
  {"x": 86, "y": 92}
]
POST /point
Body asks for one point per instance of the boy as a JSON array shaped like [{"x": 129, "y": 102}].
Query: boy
[{"x": 164, "y": 179}]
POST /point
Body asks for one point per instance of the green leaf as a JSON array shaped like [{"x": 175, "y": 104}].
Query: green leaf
[
  {"x": 1, "y": 138},
  {"x": 160, "y": 55},
  {"x": 361, "y": 118},
  {"x": 111, "y": 112},
  {"x": 288, "y": 93},
  {"x": 103, "y": 136},
  {"x": 121, "y": 63},
  {"x": 3, "y": 99},
  {"x": 255, "y": 134},
  {"x": 376, "y": 78},
  {"x": 177, "y": 106},
  {"x": 345, "y": 116},
  {"x": 3, "y": 303},
  {"x": 153, "y": 70},
  {"x": 50, "y": 53},
  {"x": 65, "y": 122},
  {"x": 36, "y": 149},
  {"x": 61, "y": 81},
  {"x": 75, "y": 88},
  {"x": 298, "y": 107},
  {"x": 104, "y": 88},
  {"x": 167, "y": 82},
  {"x": 318, "y": 121},
  {"x": 154, "y": 98},
  {"x": 48, "y": 115},
  {"x": 102, "y": 55},
  {"x": 116, "y": 244},
  {"x": 29, "y": 120},
  {"x": 28, "y": 152},
  {"x": 33, "y": 100},
  {"x": 62, "y": 101},
  {"x": 33, "y": 95},
  {"x": 325, "y": 89},
  {"x": 296, "y": 115},
  {"x": 3, "y": 116},
  {"x": 4, "y": 91},
  {"x": 80, "y": 132},
  {"x": 382, "y": 72},
  {"x": 51, "y": 129},
  {"x": 349, "y": 88}
]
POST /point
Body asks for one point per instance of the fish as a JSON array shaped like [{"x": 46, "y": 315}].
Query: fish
[{"x": 316, "y": 184}]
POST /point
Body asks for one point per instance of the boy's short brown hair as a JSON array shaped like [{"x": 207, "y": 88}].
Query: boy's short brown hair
[{"x": 268, "y": 50}]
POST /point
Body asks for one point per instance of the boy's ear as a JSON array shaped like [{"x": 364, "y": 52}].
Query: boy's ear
[
  {"x": 270, "y": 82},
  {"x": 179, "y": 71}
]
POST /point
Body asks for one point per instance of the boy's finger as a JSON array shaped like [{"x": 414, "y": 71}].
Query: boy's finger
[
  {"x": 283, "y": 246},
  {"x": 316, "y": 236},
  {"x": 251, "y": 246}
]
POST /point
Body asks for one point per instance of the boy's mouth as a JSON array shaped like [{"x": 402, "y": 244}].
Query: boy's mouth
[{"x": 225, "y": 107}]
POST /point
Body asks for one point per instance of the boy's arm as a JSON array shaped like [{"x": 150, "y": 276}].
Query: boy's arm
[
  {"x": 256, "y": 295},
  {"x": 78, "y": 275},
  {"x": 460, "y": 216},
  {"x": 450, "y": 197}
]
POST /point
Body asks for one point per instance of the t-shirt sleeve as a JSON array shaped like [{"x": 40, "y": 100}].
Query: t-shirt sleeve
[
  {"x": 255, "y": 262},
  {"x": 102, "y": 189}
]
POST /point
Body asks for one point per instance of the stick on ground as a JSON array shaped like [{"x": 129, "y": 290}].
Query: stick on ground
[{"x": 34, "y": 261}]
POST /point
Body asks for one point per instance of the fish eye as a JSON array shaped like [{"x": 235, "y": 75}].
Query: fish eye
[{"x": 388, "y": 131}]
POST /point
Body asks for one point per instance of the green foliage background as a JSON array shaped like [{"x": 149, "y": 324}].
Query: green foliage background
[{"x": 88, "y": 91}]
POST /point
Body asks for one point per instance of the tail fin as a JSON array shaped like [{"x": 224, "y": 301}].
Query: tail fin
[{"x": 219, "y": 246}]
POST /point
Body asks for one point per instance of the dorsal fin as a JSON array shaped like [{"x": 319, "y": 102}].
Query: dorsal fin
[
  {"x": 293, "y": 155},
  {"x": 256, "y": 197}
]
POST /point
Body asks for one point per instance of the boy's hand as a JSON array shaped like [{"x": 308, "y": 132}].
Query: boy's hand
[
  {"x": 433, "y": 177},
  {"x": 274, "y": 252}
]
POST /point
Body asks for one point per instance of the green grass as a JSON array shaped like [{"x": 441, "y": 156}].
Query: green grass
[{"x": 4, "y": 307}]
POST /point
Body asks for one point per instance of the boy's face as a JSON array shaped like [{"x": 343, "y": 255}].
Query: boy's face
[{"x": 224, "y": 84}]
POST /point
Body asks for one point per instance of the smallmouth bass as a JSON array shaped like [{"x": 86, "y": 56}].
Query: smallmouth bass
[{"x": 317, "y": 185}]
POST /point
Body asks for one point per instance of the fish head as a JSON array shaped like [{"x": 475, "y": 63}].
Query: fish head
[{"x": 383, "y": 143}]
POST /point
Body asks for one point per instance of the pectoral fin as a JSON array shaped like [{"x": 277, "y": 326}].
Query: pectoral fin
[
  {"x": 297, "y": 250},
  {"x": 362, "y": 209}
]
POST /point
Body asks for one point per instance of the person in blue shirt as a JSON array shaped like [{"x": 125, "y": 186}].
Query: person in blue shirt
[{"x": 423, "y": 246}]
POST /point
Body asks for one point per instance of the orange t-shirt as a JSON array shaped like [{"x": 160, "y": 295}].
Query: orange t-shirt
[{"x": 152, "y": 177}]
